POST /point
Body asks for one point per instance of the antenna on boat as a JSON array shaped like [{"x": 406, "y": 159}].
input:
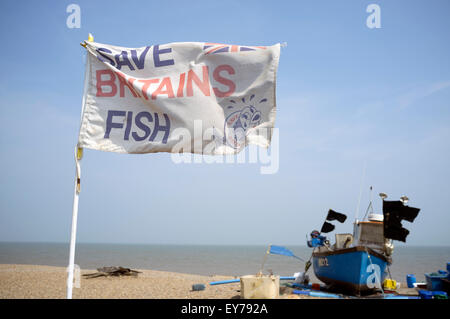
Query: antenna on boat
[
  {"x": 370, "y": 207},
  {"x": 360, "y": 192},
  {"x": 404, "y": 199}
]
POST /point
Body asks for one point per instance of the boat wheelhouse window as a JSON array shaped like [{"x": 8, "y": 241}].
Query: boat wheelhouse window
[{"x": 370, "y": 233}]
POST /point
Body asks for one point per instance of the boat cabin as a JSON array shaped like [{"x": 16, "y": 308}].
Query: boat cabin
[{"x": 367, "y": 233}]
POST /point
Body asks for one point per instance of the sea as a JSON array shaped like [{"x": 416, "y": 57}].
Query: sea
[{"x": 208, "y": 260}]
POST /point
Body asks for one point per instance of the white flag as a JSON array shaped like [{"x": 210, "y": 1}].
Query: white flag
[{"x": 205, "y": 98}]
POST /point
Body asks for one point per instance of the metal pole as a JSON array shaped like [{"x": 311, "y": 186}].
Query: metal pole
[
  {"x": 76, "y": 193},
  {"x": 73, "y": 235}
]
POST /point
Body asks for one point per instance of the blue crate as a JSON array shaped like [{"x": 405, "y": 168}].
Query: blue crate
[{"x": 434, "y": 281}]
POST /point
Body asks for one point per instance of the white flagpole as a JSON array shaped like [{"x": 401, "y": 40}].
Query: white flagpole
[
  {"x": 70, "y": 269},
  {"x": 76, "y": 194}
]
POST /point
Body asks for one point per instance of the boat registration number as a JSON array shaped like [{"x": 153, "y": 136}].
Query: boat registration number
[{"x": 323, "y": 262}]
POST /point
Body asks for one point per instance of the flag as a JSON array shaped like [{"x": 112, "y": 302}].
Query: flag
[
  {"x": 393, "y": 214},
  {"x": 332, "y": 215},
  {"x": 188, "y": 97},
  {"x": 327, "y": 227},
  {"x": 279, "y": 250}
]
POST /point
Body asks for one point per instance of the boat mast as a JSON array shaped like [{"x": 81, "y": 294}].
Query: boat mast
[
  {"x": 360, "y": 193},
  {"x": 370, "y": 207}
]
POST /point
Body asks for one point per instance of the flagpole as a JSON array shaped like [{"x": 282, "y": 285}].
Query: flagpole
[
  {"x": 73, "y": 236},
  {"x": 360, "y": 192},
  {"x": 76, "y": 193}
]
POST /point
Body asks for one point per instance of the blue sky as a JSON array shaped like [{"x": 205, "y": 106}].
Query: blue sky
[{"x": 347, "y": 96}]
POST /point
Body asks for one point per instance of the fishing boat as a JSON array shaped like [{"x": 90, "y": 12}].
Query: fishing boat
[{"x": 357, "y": 262}]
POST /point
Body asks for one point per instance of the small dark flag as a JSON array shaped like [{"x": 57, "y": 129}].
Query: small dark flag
[
  {"x": 327, "y": 227},
  {"x": 332, "y": 215}
]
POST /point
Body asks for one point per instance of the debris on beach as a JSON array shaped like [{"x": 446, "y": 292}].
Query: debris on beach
[
  {"x": 198, "y": 287},
  {"x": 112, "y": 271}
]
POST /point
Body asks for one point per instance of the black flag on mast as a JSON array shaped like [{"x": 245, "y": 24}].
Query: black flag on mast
[
  {"x": 394, "y": 212},
  {"x": 327, "y": 227},
  {"x": 332, "y": 215}
]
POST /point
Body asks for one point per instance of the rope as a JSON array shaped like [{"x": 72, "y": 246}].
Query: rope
[
  {"x": 78, "y": 156},
  {"x": 389, "y": 271},
  {"x": 308, "y": 263}
]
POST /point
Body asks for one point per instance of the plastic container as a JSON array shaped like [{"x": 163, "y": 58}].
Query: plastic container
[
  {"x": 424, "y": 294},
  {"x": 410, "y": 280},
  {"x": 434, "y": 281},
  {"x": 389, "y": 284},
  {"x": 260, "y": 287}
]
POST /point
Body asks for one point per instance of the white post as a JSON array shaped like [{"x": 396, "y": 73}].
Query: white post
[
  {"x": 76, "y": 193},
  {"x": 73, "y": 236}
]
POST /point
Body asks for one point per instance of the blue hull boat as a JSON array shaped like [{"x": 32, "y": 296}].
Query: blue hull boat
[
  {"x": 357, "y": 262},
  {"x": 357, "y": 270}
]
